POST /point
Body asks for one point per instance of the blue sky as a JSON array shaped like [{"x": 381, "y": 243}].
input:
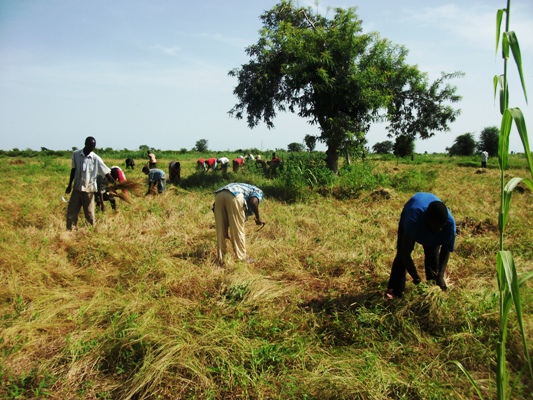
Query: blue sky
[{"x": 155, "y": 72}]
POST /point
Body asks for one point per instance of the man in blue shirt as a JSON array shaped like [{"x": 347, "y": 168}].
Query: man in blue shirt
[
  {"x": 425, "y": 220},
  {"x": 234, "y": 203}
]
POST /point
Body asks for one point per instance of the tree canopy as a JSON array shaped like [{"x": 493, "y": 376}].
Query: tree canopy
[
  {"x": 489, "y": 140},
  {"x": 383, "y": 147},
  {"x": 464, "y": 145},
  {"x": 329, "y": 72},
  {"x": 295, "y": 147},
  {"x": 201, "y": 145},
  {"x": 404, "y": 146}
]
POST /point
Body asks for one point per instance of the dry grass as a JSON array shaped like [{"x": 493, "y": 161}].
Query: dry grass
[{"x": 138, "y": 308}]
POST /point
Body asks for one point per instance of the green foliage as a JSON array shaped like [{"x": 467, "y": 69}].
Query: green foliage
[
  {"x": 488, "y": 140},
  {"x": 201, "y": 145},
  {"x": 295, "y": 147},
  {"x": 310, "y": 142},
  {"x": 415, "y": 180},
  {"x": 464, "y": 145},
  {"x": 328, "y": 71},
  {"x": 383, "y": 147},
  {"x": 509, "y": 284},
  {"x": 404, "y": 146},
  {"x": 33, "y": 384}
]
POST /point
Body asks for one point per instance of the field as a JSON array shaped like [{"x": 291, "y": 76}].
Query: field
[{"x": 137, "y": 308}]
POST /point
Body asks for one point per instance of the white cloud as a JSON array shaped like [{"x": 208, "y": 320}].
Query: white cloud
[{"x": 171, "y": 51}]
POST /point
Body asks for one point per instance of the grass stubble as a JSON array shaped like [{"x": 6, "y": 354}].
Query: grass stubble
[{"x": 137, "y": 307}]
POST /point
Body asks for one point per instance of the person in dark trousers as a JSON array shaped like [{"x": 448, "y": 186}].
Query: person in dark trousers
[
  {"x": 425, "y": 220},
  {"x": 152, "y": 161},
  {"x": 86, "y": 167},
  {"x": 174, "y": 172}
]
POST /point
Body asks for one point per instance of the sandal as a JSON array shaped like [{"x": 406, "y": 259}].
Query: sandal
[{"x": 389, "y": 294}]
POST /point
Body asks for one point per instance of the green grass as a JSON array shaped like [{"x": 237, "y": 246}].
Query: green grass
[{"x": 138, "y": 308}]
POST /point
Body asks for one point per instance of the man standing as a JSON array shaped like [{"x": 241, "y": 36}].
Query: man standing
[
  {"x": 156, "y": 177},
  {"x": 152, "y": 162},
  {"x": 234, "y": 203},
  {"x": 425, "y": 220},
  {"x": 484, "y": 157},
  {"x": 86, "y": 167}
]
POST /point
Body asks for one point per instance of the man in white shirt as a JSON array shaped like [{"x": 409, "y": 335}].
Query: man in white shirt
[
  {"x": 484, "y": 157},
  {"x": 86, "y": 167}
]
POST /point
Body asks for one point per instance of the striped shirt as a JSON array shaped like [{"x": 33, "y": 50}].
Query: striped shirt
[{"x": 246, "y": 190}]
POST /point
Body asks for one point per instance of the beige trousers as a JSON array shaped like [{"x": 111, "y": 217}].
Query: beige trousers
[
  {"x": 230, "y": 214},
  {"x": 78, "y": 200}
]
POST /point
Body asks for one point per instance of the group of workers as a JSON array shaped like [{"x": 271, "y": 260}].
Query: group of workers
[{"x": 424, "y": 219}]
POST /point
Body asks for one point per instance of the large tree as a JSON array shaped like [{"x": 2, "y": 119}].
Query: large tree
[
  {"x": 329, "y": 72},
  {"x": 464, "y": 145},
  {"x": 404, "y": 146},
  {"x": 383, "y": 147},
  {"x": 489, "y": 140}
]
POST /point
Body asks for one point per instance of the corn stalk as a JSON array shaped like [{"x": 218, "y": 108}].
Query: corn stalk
[{"x": 508, "y": 281}]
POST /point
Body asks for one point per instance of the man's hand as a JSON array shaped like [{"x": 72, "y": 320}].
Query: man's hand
[{"x": 69, "y": 189}]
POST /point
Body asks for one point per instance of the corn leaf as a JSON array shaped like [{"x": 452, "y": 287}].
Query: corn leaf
[
  {"x": 513, "y": 286},
  {"x": 515, "y": 48},
  {"x": 520, "y": 124},
  {"x": 505, "y": 45},
  {"x": 524, "y": 278},
  {"x": 499, "y": 17},
  {"x": 495, "y": 81},
  {"x": 507, "y": 193},
  {"x": 503, "y": 146}
]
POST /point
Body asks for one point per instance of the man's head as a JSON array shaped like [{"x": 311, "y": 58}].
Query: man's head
[
  {"x": 90, "y": 145},
  {"x": 436, "y": 215},
  {"x": 146, "y": 170}
]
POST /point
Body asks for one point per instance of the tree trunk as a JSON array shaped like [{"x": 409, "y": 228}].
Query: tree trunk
[
  {"x": 347, "y": 156},
  {"x": 332, "y": 158}
]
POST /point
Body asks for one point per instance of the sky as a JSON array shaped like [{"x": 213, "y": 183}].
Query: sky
[{"x": 155, "y": 72}]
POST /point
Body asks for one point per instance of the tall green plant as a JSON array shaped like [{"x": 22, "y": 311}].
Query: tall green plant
[{"x": 508, "y": 282}]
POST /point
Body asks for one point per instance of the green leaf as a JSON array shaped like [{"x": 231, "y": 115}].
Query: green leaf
[
  {"x": 513, "y": 285},
  {"x": 524, "y": 278},
  {"x": 495, "y": 81},
  {"x": 520, "y": 124},
  {"x": 470, "y": 378},
  {"x": 505, "y": 46},
  {"x": 515, "y": 48},
  {"x": 504, "y": 97},
  {"x": 499, "y": 17},
  {"x": 503, "y": 146}
]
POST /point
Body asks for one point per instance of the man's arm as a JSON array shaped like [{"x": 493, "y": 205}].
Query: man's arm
[
  {"x": 71, "y": 179},
  {"x": 254, "y": 206},
  {"x": 444, "y": 256},
  {"x": 110, "y": 178}
]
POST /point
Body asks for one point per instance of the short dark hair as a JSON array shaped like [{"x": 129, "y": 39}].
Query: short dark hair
[
  {"x": 146, "y": 169},
  {"x": 437, "y": 212},
  {"x": 90, "y": 139}
]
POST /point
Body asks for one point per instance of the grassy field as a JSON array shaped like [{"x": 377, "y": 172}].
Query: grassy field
[{"x": 137, "y": 307}]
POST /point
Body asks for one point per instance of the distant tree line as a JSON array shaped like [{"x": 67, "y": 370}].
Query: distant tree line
[{"x": 464, "y": 145}]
